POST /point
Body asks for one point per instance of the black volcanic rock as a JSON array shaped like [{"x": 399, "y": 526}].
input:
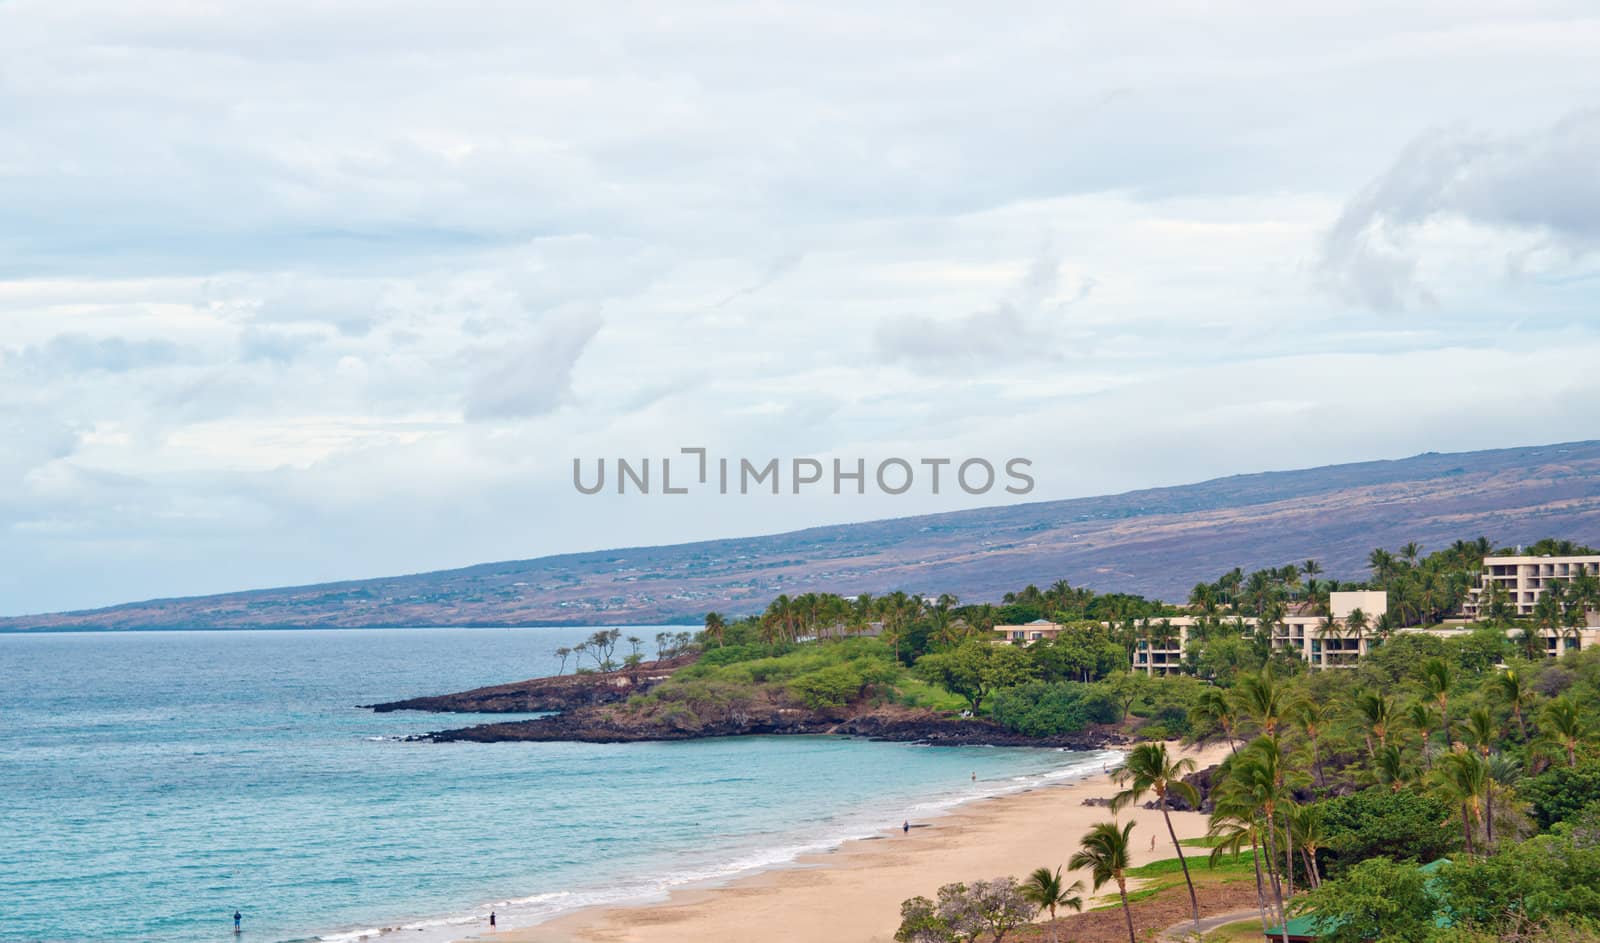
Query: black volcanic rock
[
  {"x": 560, "y": 693},
  {"x": 594, "y": 725}
]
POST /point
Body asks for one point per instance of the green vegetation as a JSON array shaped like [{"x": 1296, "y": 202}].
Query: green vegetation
[
  {"x": 1476, "y": 747},
  {"x": 964, "y": 913},
  {"x": 1104, "y": 850}
]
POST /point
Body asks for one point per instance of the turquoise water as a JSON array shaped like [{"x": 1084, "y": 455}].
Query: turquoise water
[{"x": 153, "y": 782}]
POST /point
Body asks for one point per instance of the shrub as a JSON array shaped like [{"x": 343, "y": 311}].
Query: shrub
[
  {"x": 1377, "y": 899},
  {"x": 1404, "y": 826},
  {"x": 1047, "y": 709},
  {"x": 1559, "y": 792},
  {"x": 834, "y": 686}
]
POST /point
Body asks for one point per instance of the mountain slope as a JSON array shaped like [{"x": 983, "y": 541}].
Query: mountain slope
[{"x": 1158, "y": 542}]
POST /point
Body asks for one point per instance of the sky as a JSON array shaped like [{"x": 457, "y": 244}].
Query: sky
[{"x": 305, "y": 291}]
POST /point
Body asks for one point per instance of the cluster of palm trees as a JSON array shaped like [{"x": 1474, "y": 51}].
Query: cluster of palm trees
[
  {"x": 1263, "y": 592},
  {"x": 820, "y": 616},
  {"x": 1414, "y": 743}
]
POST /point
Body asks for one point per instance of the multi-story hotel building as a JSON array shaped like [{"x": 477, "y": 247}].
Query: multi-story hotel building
[
  {"x": 1323, "y": 642},
  {"x": 1524, "y": 579}
]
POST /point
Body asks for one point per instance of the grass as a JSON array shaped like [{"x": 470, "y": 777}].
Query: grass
[
  {"x": 1169, "y": 867},
  {"x": 914, "y": 692},
  {"x": 1167, "y": 873},
  {"x": 1244, "y": 930}
]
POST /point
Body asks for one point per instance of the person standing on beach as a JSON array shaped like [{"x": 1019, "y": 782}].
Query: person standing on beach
[
  {"x": 906, "y": 826},
  {"x": 491, "y": 920},
  {"x": 237, "y": 916}
]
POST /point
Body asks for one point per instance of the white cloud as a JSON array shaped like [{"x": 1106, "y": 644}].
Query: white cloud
[
  {"x": 1539, "y": 191},
  {"x": 311, "y": 291}
]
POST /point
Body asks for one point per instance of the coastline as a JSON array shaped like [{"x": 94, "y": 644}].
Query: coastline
[{"x": 860, "y": 883}]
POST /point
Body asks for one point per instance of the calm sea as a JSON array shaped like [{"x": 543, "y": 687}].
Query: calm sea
[{"x": 153, "y": 782}]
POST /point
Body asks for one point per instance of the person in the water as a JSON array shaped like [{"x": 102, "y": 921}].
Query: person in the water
[{"x": 237, "y": 916}]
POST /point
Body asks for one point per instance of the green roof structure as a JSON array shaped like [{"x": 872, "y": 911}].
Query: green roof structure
[{"x": 1309, "y": 928}]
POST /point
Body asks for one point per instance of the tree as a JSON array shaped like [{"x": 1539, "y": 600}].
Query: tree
[
  {"x": 1514, "y": 691},
  {"x": 1213, "y": 706},
  {"x": 1421, "y": 717},
  {"x": 1309, "y": 825},
  {"x": 1565, "y": 726},
  {"x": 1378, "y": 715},
  {"x": 601, "y": 645},
  {"x": 1462, "y": 778},
  {"x": 1380, "y": 823},
  {"x": 1437, "y": 680},
  {"x": 1148, "y": 769},
  {"x": 1045, "y": 890},
  {"x": 563, "y": 653},
  {"x": 1561, "y": 792},
  {"x": 975, "y": 669},
  {"x": 1257, "y": 784},
  {"x": 1377, "y": 900},
  {"x": 965, "y": 912},
  {"x": 716, "y": 628},
  {"x": 1104, "y": 850},
  {"x": 1312, "y": 716},
  {"x": 1264, "y": 700}
]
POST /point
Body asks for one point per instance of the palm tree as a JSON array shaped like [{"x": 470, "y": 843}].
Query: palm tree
[
  {"x": 1312, "y": 716},
  {"x": 1503, "y": 771},
  {"x": 1482, "y": 732},
  {"x": 1382, "y": 563},
  {"x": 1044, "y": 890},
  {"x": 1104, "y": 851},
  {"x": 1256, "y": 785},
  {"x": 1463, "y": 778},
  {"x": 1148, "y": 768},
  {"x": 1232, "y": 823},
  {"x": 1214, "y": 705},
  {"x": 1437, "y": 679},
  {"x": 1514, "y": 691},
  {"x": 1378, "y": 716},
  {"x": 1307, "y": 822},
  {"x": 1564, "y": 725},
  {"x": 716, "y": 627},
  {"x": 1264, "y": 700},
  {"x": 1420, "y": 716},
  {"x": 1391, "y": 768}
]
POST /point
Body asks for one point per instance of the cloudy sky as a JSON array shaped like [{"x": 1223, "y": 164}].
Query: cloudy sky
[{"x": 302, "y": 291}]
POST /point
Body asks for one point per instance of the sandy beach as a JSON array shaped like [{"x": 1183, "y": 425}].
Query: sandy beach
[{"x": 854, "y": 892}]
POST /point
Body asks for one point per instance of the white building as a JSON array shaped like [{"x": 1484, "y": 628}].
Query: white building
[
  {"x": 1524, "y": 579},
  {"x": 1323, "y": 642}
]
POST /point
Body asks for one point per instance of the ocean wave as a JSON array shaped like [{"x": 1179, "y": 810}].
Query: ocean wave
[{"x": 862, "y": 823}]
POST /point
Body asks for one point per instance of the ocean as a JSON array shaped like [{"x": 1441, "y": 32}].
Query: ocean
[{"x": 153, "y": 782}]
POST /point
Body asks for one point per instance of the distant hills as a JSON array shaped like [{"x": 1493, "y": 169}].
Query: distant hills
[{"x": 1158, "y": 542}]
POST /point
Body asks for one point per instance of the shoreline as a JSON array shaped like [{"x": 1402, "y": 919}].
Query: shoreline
[{"x": 1010, "y": 833}]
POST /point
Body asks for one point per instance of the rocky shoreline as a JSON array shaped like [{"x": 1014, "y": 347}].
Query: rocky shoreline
[
  {"x": 590, "y": 708},
  {"x": 587, "y": 725},
  {"x": 539, "y": 695}
]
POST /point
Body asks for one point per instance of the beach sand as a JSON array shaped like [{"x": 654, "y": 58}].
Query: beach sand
[{"x": 854, "y": 892}]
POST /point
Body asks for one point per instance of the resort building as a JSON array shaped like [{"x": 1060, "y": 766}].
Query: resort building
[
  {"x": 1336, "y": 640},
  {"x": 1160, "y": 650},
  {"x": 1524, "y": 579},
  {"x": 1029, "y": 633}
]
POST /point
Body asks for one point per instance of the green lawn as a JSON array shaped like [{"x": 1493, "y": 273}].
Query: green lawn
[{"x": 1158, "y": 876}]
